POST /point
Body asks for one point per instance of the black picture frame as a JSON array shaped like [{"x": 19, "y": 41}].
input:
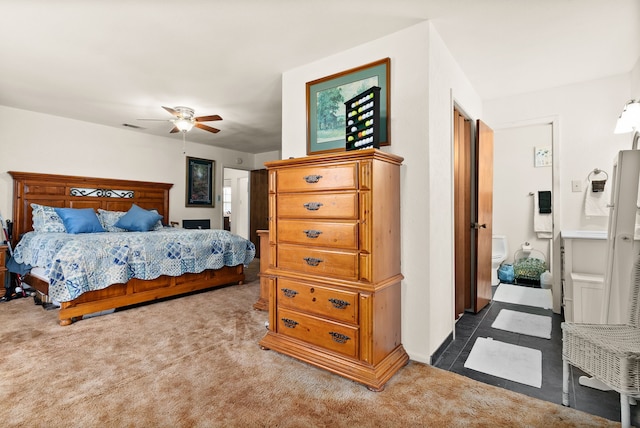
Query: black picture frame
[{"x": 200, "y": 182}]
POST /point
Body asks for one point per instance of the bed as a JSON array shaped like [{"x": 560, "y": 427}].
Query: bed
[{"x": 125, "y": 286}]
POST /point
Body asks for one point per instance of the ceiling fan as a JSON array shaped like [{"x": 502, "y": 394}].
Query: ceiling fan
[{"x": 185, "y": 120}]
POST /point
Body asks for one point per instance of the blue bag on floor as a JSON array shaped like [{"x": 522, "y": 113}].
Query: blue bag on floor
[{"x": 506, "y": 273}]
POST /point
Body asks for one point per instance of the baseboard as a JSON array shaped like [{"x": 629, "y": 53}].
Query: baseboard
[{"x": 443, "y": 347}]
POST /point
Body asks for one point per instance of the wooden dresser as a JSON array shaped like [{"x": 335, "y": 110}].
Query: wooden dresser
[
  {"x": 334, "y": 274},
  {"x": 263, "y": 301}
]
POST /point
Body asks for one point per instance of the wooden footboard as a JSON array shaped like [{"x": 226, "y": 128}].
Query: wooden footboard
[{"x": 139, "y": 291}]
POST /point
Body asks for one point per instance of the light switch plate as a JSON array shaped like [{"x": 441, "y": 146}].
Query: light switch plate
[{"x": 576, "y": 186}]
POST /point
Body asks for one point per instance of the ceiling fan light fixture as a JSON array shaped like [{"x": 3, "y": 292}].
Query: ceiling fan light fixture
[
  {"x": 184, "y": 125},
  {"x": 184, "y": 120}
]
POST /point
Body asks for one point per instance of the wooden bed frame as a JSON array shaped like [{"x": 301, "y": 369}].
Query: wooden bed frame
[{"x": 112, "y": 195}]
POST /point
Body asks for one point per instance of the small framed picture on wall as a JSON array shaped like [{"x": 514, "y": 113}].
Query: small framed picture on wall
[
  {"x": 200, "y": 176},
  {"x": 543, "y": 156}
]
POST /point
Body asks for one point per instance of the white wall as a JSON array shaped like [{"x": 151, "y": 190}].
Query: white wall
[
  {"x": 35, "y": 142},
  {"x": 423, "y": 78},
  {"x": 515, "y": 176},
  {"x": 587, "y": 114},
  {"x": 447, "y": 85},
  {"x": 635, "y": 80},
  {"x": 261, "y": 158}
]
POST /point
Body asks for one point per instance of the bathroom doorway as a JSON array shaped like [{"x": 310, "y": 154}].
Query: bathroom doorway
[
  {"x": 523, "y": 160},
  {"x": 537, "y": 133}
]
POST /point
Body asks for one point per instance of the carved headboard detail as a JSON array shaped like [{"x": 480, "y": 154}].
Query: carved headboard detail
[{"x": 66, "y": 191}]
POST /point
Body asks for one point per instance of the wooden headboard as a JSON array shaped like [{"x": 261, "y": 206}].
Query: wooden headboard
[{"x": 66, "y": 191}]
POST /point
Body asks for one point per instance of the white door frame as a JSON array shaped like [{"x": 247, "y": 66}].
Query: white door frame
[{"x": 239, "y": 220}]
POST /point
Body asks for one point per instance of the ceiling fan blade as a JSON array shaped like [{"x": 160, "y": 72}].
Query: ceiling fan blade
[
  {"x": 206, "y": 128},
  {"x": 174, "y": 130},
  {"x": 172, "y": 111},
  {"x": 208, "y": 118}
]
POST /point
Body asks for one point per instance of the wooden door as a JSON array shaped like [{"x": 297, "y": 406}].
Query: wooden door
[
  {"x": 462, "y": 211},
  {"x": 484, "y": 219},
  {"x": 258, "y": 205}
]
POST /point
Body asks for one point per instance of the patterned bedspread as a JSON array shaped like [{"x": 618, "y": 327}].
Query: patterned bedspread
[{"x": 77, "y": 263}]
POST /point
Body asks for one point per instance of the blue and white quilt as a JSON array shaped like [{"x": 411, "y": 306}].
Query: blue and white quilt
[{"x": 77, "y": 263}]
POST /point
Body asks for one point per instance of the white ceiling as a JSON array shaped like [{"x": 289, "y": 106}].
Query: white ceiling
[{"x": 113, "y": 62}]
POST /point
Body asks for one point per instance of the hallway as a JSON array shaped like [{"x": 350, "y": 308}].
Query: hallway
[{"x": 472, "y": 326}]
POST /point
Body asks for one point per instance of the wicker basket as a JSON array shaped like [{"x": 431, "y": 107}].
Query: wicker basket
[{"x": 527, "y": 268}]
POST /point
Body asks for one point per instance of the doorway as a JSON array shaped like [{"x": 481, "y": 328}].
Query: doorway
[
  {"x": 463, "y": 154},
  {"x": 552, "y": 137},
  {"x": 259, "y": 203},
  {"x": 246, "y": 203},
  {"x": 473, "y": 208},
  {"x": 236, "y": 201},
  {"x": 520, "y": 174}
]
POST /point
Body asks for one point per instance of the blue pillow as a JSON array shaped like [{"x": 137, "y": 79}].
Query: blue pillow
[
  {"x": 79, "y": 220},
  {"x": 138, "y": 219}
]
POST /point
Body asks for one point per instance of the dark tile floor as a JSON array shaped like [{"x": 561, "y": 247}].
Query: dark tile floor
[{"x": 471, "y": 326}]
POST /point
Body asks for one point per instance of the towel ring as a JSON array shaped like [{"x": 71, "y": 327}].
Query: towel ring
[{"x": 598, "y": 185}]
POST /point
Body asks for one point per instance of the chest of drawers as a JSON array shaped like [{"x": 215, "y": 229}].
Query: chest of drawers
[{"x": 334, "y": 273}]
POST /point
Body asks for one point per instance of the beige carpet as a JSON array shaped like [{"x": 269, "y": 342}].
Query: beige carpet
[{"x": 195, "y": 362}]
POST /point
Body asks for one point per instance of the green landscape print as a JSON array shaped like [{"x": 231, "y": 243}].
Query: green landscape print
[{"x": 331, "y": 110}]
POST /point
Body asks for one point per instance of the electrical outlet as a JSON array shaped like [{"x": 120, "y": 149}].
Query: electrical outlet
[{"x": 576, "y": 186}]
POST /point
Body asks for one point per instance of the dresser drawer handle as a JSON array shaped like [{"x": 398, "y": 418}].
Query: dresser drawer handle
[
  {"x": 338, "y": 337},
  {"x": 312, "y": 233},
  {"x": 339, "y": 304},
  {"x": 311, "y": 179},
  {"x": 313, "y": 206},
  {"x": 289, "y": 292},
  {"x": 312, "y": 261},
  {"x": 289, "y": 323}
]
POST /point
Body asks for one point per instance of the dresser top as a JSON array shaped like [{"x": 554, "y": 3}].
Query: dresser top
[{"x": 353, "y": 155}]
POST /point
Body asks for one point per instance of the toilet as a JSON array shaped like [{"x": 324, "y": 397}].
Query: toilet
[{"x": 499, "y": 251}]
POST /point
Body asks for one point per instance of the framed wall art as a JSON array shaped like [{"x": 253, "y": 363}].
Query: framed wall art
[
  {"x": 326, "y": 110},
  {"x": 543, "y": 156},
  {"x": 200, "y": 174}
]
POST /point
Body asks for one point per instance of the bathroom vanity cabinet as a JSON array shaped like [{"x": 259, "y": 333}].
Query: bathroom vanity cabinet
[{"x": 584, "y": 256}]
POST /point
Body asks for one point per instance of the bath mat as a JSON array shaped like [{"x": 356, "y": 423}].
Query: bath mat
[
  {"x": 538, "y": 297},
  {"x": 523, "y": 323},
  {"x": 507, "y": 361}
]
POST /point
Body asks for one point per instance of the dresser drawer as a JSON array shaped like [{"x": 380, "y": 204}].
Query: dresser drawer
[
  {"x": 319, "y": 233},
  {"x": 325, "y": 333},
  {"x": 327, "y": 302},
  {"x": 318, "y": 205},
  {"x": 316, "y": 178},
  {"x": 314, "y": 261}
]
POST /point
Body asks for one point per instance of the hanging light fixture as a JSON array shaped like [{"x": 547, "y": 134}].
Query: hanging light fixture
[
  {"x": 184, "y": 124},
  {"x": 629, "y": 120}
]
